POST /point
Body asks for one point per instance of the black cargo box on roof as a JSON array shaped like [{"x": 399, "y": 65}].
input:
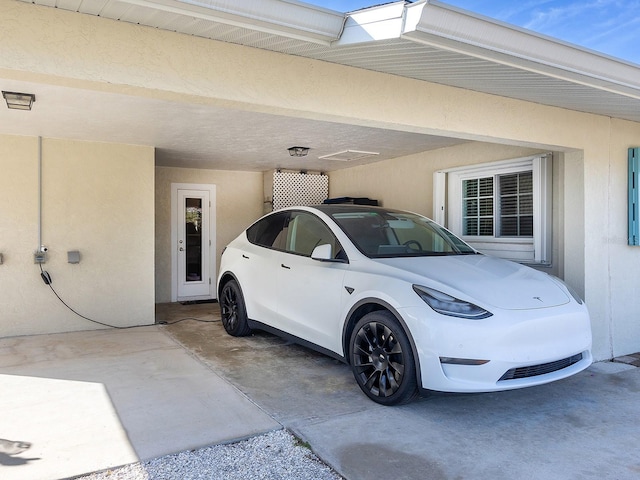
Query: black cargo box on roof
[{"x": 351, "y": 201}]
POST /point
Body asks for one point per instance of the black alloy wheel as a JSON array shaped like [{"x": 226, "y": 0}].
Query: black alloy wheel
[
  {"x": 382, "y": 360},
  {"x": 233, "y": 311}
]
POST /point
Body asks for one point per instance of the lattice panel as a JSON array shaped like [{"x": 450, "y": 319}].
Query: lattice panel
[{"x": 293, "y": 188}]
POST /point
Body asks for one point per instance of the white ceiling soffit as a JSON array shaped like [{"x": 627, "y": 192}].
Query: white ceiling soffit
[
  {"x": 455, "y": 30},
  {"x": 255, "y": 22}
]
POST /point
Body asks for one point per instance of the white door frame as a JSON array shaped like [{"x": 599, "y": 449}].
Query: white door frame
[{"x": 175, "y": 187}]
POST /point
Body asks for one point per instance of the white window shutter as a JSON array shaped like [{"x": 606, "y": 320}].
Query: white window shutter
[
  {"x": 542, "y": 198},
  {"x": 439, "y": 198}
]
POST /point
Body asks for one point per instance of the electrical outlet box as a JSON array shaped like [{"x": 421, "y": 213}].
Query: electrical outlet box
[
  {"x": 39, "y": 257},
  {"x": 73, "y": 256}
]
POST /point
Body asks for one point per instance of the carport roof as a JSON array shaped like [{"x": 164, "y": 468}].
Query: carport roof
[{"x": 425, "y": 40}]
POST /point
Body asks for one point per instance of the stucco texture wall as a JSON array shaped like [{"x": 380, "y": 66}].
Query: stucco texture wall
[
  {"x": 96, "y": 198},
  {"x": 239, "y": 200},
  {"x": 407, "y": 183},
  {"x": 41, "y": 44},
  {"x": 624, "y": 260}
]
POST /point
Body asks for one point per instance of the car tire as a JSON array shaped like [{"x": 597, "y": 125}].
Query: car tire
[
  {"x": 382, "y": 360},
  {"x": 233, "y": 310}
]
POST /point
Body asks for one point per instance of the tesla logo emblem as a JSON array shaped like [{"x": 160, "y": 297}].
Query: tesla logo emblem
[{"x": 538, "y": 298}]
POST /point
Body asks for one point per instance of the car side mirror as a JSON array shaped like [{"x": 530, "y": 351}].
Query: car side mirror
[{"x": 322, "y": 253}]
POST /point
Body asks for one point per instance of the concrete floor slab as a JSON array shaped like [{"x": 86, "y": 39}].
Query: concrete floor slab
[
  {"x": 579, "y": 428},
  {"x": 88, "y": 401},
  {"x": 91, "y": 400}
]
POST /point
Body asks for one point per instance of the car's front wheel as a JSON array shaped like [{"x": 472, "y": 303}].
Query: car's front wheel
[
  {"x": 233, "y": 310},
  {"x": 382, "y": 360}
]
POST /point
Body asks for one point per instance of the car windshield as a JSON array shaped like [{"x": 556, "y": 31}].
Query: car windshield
[{"x": 384, "y": 234}]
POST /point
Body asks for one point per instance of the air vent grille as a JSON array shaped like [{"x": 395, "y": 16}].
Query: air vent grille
[
  {"x": 348, "y": 155},
  {"x": 542, "y": 369}
]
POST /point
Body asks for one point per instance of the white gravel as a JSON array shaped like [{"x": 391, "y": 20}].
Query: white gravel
[{"x": 275, "y": 455}]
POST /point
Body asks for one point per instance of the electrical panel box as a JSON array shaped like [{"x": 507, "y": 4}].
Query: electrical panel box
[
  {"x": 634, "y": 196},
  {"x": 73, "y": 256}
]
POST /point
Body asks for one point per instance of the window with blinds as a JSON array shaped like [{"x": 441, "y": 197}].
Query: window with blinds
[
  {"x": 513, "y": 216},
  {"x": 478, "y": 206},
  {"x": 501, "y": 208},
  {"x": 516, "y": 204}
]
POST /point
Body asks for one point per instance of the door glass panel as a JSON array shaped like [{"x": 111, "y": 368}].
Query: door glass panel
[
  {"x": 193, "y": 247},
  {"x": 306, "y": 232}
]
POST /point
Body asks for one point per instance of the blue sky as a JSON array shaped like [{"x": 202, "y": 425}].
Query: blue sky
[{"x": 611, "y": 27}]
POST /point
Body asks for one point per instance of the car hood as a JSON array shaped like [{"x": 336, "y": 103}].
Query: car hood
[{"x": 487, "y": 280}]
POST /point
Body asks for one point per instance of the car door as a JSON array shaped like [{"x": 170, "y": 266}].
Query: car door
[
  {"x": 311, "y": 292},
  {"x": 258, "y": 267}
]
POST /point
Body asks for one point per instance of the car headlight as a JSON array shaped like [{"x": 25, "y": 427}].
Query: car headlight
[{"x": 448, "y": 305}]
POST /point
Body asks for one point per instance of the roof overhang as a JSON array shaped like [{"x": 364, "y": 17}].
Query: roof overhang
[
  {"x": 424, "y": 40},
  {"x": 448, "y": 28},
  {"x": 211, "y": 18}
]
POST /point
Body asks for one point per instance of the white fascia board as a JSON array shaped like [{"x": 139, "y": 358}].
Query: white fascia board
[
  {"x": 382, "y": 22},
  {"x": 442, "y": 26},
  {"x": 287, "y": 18}
]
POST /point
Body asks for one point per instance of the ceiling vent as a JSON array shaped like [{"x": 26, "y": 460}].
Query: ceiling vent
[{"x": 348, "y": 155}]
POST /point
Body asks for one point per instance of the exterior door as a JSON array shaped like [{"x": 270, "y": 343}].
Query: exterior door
[{"x": 193, "y": 242}]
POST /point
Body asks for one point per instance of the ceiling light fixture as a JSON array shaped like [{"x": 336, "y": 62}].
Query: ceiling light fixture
[
  {"x": 19, "y": 101},
  {"x": 298, "y": 151}
]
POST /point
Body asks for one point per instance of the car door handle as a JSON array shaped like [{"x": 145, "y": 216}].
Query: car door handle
[{"x": 284, "y": 266}]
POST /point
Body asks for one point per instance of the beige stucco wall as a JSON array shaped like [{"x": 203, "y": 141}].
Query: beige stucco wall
[
  {"x": 41, "y": 44},
  {"x": 623, "y": 260},
  {"x": 96, "y": 198},
  {"x": 407, "y": 183},
  {"x": 238, "y": 203}
]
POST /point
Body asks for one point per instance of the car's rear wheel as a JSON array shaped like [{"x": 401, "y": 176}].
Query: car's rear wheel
[
  {"x": 233, "y": 311},
  {"x": 382, "y": 360}
]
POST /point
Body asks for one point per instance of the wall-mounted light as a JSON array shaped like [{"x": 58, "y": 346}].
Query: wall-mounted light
[
  {"x": 19, "y": 101},
  {"x": 298, "y": 151}
]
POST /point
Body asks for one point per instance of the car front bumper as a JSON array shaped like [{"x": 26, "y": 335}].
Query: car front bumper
[{"x": 511, "y": 349}]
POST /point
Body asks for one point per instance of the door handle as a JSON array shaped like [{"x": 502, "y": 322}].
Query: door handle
[{"x": 284, "y": 266}]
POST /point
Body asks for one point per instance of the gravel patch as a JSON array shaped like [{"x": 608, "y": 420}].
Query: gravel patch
[{"x": 275, "y": 455}]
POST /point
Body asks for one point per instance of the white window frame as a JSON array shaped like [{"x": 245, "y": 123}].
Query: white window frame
[{"x": 447, "y": 207}]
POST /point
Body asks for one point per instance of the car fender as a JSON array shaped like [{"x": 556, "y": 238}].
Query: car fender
[{"x": 377, "y": 304}]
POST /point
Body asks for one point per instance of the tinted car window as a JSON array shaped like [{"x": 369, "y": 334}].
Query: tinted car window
[
  {"x": 269, "y": 231},
  {"x": 379, "y": 233},
  {"x": 306, "y": 231}
]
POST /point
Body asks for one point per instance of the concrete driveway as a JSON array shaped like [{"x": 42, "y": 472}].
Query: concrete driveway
[
  {"x": 87, "y": 401},
  {"x": 583, "y": 427}
]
